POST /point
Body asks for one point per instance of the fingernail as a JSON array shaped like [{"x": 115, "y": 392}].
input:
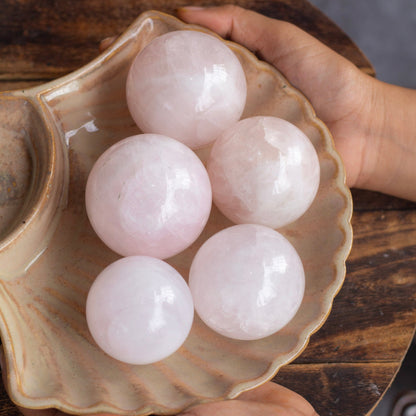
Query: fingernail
[
  {"x": 189, "y": 8},
  {"x": 106, "y": 42},
  {"x": 192, "y": 7}
]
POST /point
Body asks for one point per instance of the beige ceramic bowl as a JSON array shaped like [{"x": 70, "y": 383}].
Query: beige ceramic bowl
[{"x": 49, "y": 255}]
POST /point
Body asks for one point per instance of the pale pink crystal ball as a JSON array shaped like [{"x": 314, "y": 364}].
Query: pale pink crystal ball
[
  {"x": 247, "y": 282},
  {"x": 263, "y": 170},
  {"x": 148, "y": 195},
  {"x": 187, "y": 85},
  {"x": 139, "y": 310}
]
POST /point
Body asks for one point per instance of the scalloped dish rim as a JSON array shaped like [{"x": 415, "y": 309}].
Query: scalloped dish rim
[{"x": 339, "y": 258}]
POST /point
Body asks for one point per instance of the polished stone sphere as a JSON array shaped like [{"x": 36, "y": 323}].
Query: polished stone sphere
[
  {"x": 263, "y": 170},
  {"x": 148, "y": 195},
  {"x": 187, "y": 85},
  {"x": 139, "y": 310},
  {"x": 247, "y": 282}
]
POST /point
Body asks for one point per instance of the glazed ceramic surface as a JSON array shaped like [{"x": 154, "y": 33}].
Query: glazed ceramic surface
[{"x": 49, "y": 254}]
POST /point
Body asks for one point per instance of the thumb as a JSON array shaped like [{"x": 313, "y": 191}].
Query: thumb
[
  {"x": 305, "y": 61},
  {"x": 278, "y": 42}
]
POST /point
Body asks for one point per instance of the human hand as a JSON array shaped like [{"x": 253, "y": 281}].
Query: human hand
[
  {"x": 270, "y": 399},
  {"x": 361, "y": 113},
  {"x": 372, "y": 122}
]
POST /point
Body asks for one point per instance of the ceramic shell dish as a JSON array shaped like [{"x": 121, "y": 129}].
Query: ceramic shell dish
[{"x": 49, "y": 255}]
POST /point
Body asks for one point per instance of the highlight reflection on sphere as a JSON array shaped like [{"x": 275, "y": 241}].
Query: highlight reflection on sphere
[
  {"x": 148, "y": 195},
  {"x": 263, "y": 170},
  {"x": 187, "y": 85},
  {"x": 247, "y": 282},
  {"x": 139, "y": 310}
]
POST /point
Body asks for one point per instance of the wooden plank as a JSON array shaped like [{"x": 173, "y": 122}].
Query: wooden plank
[
  {"x": 374, "y": 315},
  {"x": 333, "y": 389},
  {"x": 18, "y": 85},
  {"x": 7, "y": 408},
  {"x": 40, "y": 39},
  {"x": 349, "y": 389},
  {"x": 370, "y": 201},
  {"x": 350, "y": 362}
]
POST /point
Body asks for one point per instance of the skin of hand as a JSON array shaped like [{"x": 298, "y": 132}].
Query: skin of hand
[
  {"x": 373, "y": 128},
  {"x": 270, "y": 399},
  {"x": 373, "y": 123}
]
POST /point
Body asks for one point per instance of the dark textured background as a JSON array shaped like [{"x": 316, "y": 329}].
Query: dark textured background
[{"x": 385, "y": 30}]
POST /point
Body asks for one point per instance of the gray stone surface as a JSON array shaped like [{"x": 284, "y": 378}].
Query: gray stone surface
[{"x": 385, "y": 30}]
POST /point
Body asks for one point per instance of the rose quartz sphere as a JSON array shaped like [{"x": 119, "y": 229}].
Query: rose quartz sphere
[
  {"x": 148, "y": 195},
  {"x": 263, "y": 170},
  {"x": 247, "y": 282},
  {"x": 187, "y": 85},
  {"x": 139, "y": 310}
]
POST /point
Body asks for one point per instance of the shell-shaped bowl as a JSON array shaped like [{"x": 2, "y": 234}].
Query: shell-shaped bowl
[{"x": 49, "y": 254}]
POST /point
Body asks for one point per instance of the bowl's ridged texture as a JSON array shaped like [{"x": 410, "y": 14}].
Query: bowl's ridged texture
[{"x": 51, "y": 358}]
